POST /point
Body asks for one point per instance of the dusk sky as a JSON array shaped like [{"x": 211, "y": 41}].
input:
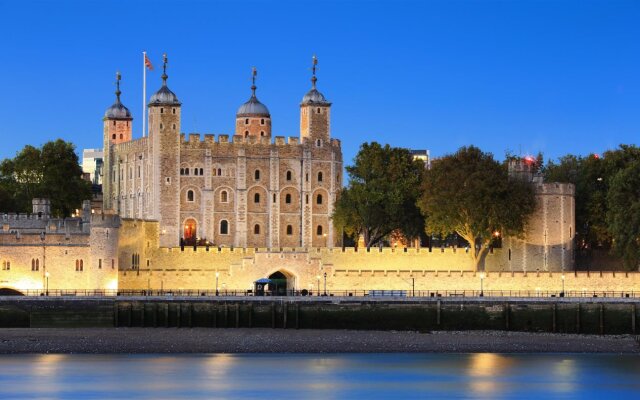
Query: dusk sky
[{"x": 557, "y": 77}]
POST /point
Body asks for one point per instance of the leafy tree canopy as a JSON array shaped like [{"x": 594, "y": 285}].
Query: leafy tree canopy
[
  {"x": 471, "y": 194},
  {"x": 51, "y": 171},
  {"x": 384, "y": 185},
  {"x": 623, "y": 213}
]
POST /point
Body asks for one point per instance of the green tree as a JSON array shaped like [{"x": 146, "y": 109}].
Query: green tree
[
  {"x": 51, "y": 171},
  {"x": 623, "y": 214},
  {"x": 471, "y": 194},
  {"x": 384, "y": 185}
]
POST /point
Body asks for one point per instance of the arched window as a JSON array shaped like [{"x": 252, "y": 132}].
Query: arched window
[
  {"x": 319, "y": 199},
  {"x": 289, "y": 230},
  {"x": 201, "y": 171},
  {"x": 320, "y": 176},
  {"x": 190, "y": 195},
  {"x": 114, "y": 136},
  {"x": 318, "y": 143},
  {"x": 121, "y": 136},
  {"x": 262, "y": 133},
  {"x": 224, "y": 227},
  {"x": 287, "y": 198},
  {"x": 318, "y": 110},
  {"x": 186, "y": 171},
  {"x": 224, "y": 196},
  {"x": 174, "y": 125},
  {"x": 195, "y": 171},
  {"x": 173, "y": 110},
  {"x": 256, "y": 198},
  {"x": 256, "y": 229},
  {"x": 288, "y": 175},
  {"x": 262, "y": 121},
  {"x": 256, "y": 175},
  {"x": 246, "y": 134},
  {"x": 219, "y": 172},
  {"x": 162, "y": 110},
  {"x": 246, "y": 121},
  {"x": 319, "y": 230}
]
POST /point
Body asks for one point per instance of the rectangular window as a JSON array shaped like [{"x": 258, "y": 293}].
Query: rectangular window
[{"x": 99, "y": 263}]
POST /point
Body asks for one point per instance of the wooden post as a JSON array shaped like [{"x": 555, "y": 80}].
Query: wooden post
[
  {"x": 226, "y": 315},
  {"x": 507, "y": 310},
  {"x": 284, "y": 316},
  {"x": 602, "y": 319},
  {"x": 129, "y": 315},
  {"x": 578, "y": 319},
  {"x": 166, "y": 315},
  {"x": 178, "y": 315},
  {"x": 438, "y": 313},
  {"x": 633, "y": 319},
  {"x": 155, "y": 315},
  {"x": 214, "y": 314},
  {"x": 190, "y": 315},
  {"x": 142, "y": 318},
  {"x": 553, "y": 321},
  {"x": 273, "y": 315},
  {"x": 237, "y": 315}
]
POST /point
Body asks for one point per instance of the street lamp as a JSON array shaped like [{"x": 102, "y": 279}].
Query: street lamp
[
  {"x": 562, "y": 293},
  {"x": 325, "y": 239},
  {"x": 46, "y": 276},
  {"x": 318, "y": 280},
  {"x": 481, "y": 284},
  {"x": 217, "y": 276},
  {"x": 413, "y": 286},
  {"x": 325, "y": 283}
]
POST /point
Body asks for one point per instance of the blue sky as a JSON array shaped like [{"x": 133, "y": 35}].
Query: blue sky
[{"x": 557, "y": 77}]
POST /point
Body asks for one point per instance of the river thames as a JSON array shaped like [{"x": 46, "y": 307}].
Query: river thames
[{"x": 320, "y": 376}]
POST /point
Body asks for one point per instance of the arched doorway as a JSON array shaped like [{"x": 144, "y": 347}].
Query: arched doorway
[
  {"x": 10, "y": 292},
  {"x": 278, "y": 284},
  {"x": 190, "y": 231}
]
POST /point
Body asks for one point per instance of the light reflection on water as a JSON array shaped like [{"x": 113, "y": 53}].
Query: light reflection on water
[{"x": 315, "y": 376}]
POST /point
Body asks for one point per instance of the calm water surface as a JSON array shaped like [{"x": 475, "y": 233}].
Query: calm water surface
[{"x": 313, "y": 376}]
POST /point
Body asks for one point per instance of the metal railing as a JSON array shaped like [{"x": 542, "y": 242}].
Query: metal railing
[{"x": 373, "y": 293}]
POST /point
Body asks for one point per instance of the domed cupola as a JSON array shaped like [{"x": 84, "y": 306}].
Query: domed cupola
[
  {"x": 313, "y": 96},
  {"x": 253, "y": 117},
  {"x": 118, "y": 110},
  {"x": 315, "y": 114},
  {"x": 253, "y": 107},
  {"x": 164, "y": 96}
]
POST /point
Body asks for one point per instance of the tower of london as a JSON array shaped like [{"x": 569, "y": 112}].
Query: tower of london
[{"x": 247, "y": 190}]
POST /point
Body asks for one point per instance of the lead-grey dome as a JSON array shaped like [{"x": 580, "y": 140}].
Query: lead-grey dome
[
  {"x": 117, "y": 111},
  {"x": 314, "y": 97},
  {"x": 164, "y": 96},
  {"x": 253, "y": 108}
]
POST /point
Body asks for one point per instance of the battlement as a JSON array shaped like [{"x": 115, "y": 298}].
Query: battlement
[
  {"x": 136, "y": 145},
  {"x": 105, "y": 220},
  {"x": 196, "y": 140},
  {"x": 555, "y": 188}
]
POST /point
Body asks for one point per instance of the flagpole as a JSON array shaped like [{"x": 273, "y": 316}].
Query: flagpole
[{"x": 144, "y": 94}]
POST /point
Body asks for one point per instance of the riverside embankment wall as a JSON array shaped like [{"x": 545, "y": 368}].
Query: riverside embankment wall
[{"x": 595, "y": 316}]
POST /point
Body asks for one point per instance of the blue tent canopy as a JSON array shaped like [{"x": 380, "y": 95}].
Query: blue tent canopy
[{"x": 263, "y": 281}]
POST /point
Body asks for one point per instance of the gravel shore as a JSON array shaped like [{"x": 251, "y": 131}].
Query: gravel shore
[{"x": 203, "y": 340}]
